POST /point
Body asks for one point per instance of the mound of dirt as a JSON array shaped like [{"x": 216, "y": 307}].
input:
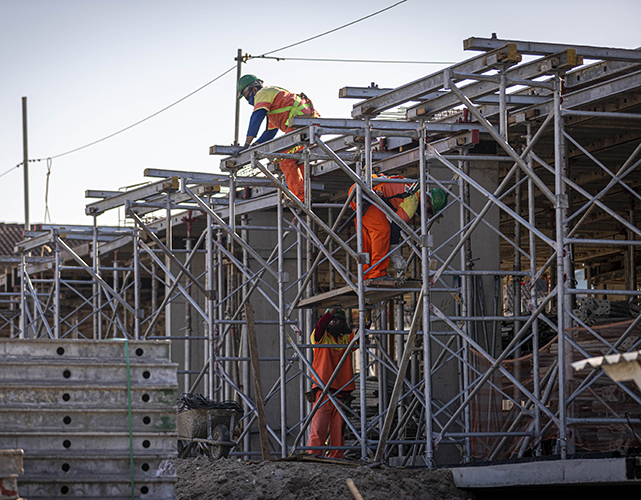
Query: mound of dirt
[{"x": 232, "y": 479}]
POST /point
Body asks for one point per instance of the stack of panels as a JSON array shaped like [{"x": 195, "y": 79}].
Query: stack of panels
[
  {"x": 10, "y": 469},
  {"x": 66, "y": 404}
]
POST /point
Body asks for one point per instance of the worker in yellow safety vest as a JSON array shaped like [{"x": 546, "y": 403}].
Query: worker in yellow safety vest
[{"x": 279, "y": 106}]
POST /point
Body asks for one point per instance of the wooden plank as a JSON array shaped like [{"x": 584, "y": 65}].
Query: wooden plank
[
  {"x": 258, "y": 384},
  {"x": 345, "y": 298}
]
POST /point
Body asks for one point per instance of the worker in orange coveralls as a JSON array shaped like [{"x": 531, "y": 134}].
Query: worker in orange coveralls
[
  {"x": 332, "y": 328},
  {"x": 403, "y": 198},
  {"x": 279, "y": 106}
]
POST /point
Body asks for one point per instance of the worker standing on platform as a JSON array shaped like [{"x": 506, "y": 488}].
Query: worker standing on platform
[
  {"x": 331, "y": 329},
  {"x": 379, "y": 233},
  {"x": 279, "y": 106}
]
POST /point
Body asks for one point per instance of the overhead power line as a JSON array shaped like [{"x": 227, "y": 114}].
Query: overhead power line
[
  {"x": 323, "y": 59},
  {"x": 218, "y": 78},
  {"x": 335, "y": 29},
  {"x": 149, "y": 117}
]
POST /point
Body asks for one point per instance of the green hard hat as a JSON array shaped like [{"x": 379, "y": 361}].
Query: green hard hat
[
  {"x": 244, "y": 81},
  {"x": 439, "y": 199}
]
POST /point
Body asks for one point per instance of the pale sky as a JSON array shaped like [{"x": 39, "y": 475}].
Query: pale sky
[{"x": 90, "y": 68}]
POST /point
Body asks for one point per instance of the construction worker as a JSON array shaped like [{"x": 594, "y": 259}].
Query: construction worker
[
  {"x": 331, "y": 329},
  {"x": 403, "y": 198},
  {"x": 279, "y": 106}
]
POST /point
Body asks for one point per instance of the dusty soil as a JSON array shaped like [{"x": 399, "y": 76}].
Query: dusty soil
[{"x": 203, "y": 479}]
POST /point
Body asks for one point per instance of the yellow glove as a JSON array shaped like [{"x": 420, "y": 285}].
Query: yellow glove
[{"x": 408, "y": 207}]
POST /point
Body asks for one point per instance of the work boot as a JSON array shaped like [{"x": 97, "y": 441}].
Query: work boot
[{"x": 399, "y": 263}]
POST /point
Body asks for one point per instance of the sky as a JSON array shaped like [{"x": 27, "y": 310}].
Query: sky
[{"x": 91, "y": 68}]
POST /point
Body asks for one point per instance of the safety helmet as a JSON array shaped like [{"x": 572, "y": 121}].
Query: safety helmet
[
  {"x": 245, "y": 81},
  {"x": 439, "y": 199}
]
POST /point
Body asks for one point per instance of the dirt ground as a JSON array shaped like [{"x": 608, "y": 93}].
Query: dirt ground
[{"x": 204, "y": 479}]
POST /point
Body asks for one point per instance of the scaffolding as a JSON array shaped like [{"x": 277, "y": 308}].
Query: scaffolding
[{"x": 539, "y": 154}]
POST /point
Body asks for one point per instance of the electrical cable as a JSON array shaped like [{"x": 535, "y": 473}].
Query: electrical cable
[
  {"x": 149, "y": 117},
  {"x": 212, "y": 81},
  {"x": 374, "y": 61},
  {"x": 335, "y": 29},
  {"x": 126, "y": 128},
  {"x": 47, "y": 213}
]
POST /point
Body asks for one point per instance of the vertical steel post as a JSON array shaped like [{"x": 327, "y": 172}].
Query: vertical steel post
[
  {"x": 209, "y": 350},
  {"x": 220, "y": 313},
  {"x": 361, "y": 320},
  {"x": 246, "y": 375},
  {"x": 154, "y": 293},
  {"x": 239, "y": 60},
  {"x": 25, "y": 163},
  {"x": 559, "y": 212},
  {"x": 23, "y": 296},
  {"x": 229, "y": 338},
  {"x": 281, "y": 326},
  {"x": 536, "y": 376},
  {"x": 425, "y": 274},
  {"x": 466, "y": 298},
  {"x": 137, "y": 277},
  {"x": 188, "y": 331},
  {"x": 58, "y": 291},
  {"x": 116, "y": 286},
  {"x": 305, "y": 406},
  {"x": 170, "y": 245},
  {"x": 95, "y": 285},
  {"x": 400, "y": 346}
]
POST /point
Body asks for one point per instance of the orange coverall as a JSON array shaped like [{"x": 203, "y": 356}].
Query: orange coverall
[
  {"x": 281, "y": 106},
  {"x": 327, "y": 418},
  {"x": 376, "y": 227}
]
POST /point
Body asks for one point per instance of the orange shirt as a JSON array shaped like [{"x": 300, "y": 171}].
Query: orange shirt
[
  {"x": 326, "y": 359},
  {"x": 391, "y": 192},
  {"x": 281, "y": 106}
]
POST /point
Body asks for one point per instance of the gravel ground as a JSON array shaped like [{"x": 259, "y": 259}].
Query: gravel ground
[{"x": 289, "y": 479}]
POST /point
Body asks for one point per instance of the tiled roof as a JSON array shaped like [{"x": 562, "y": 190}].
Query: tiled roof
[{"x": 10, "y": 234}]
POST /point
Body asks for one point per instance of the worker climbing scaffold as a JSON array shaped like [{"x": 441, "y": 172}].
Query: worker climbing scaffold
[
  {"x": 381, "y": 235},
  {"x": 279, "y": 106}
]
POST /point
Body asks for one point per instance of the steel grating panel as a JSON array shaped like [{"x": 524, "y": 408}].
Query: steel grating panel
[{"x": 66, "y": 403}]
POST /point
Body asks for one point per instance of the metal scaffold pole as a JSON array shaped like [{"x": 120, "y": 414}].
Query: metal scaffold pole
[{"x": 488, "y": 282}]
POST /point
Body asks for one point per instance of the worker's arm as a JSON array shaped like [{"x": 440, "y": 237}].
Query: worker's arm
[
  {"x": 267, "y": 135},
  {"x": 255, "y": 120},
  {"x": 321, "y": 326},
  {"x": 408, "y": 207}
]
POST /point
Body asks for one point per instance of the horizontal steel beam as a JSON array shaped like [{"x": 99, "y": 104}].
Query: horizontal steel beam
[
  {"x": 140, "y": 193},
  {"x": 434, "y": 82},
  {"x": 542, "y": 49},
  {"x": 481, "y": 90}
]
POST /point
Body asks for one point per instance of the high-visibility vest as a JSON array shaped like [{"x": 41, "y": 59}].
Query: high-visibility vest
[{"x": 282, "y": 106}]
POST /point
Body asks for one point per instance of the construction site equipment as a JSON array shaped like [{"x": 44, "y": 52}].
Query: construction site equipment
[
  {"x": 539, "y": 156},
  {"x": 205, "y": 427},
  {"x": 96, "y": 419},
  {"x": 206, "y": 432}
]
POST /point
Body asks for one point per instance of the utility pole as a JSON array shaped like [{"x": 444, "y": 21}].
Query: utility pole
[
  {"x": 239, "y": 60},
  {"x": 25, "y": 163}
]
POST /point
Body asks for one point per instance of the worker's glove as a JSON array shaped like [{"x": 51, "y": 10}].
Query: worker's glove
[
  {"x": 413, "y": 188},
  {"x": 408, "y": 207},
  {"x": 400, "y": 264},
  {"x": 243, "y": 148}
]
